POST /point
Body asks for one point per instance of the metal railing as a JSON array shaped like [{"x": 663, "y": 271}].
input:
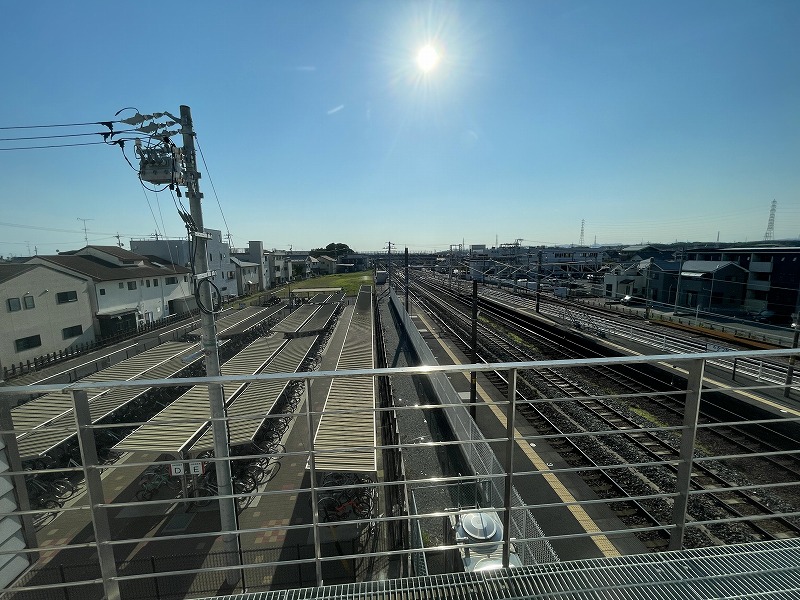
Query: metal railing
[{"x": 122, "y": 545}]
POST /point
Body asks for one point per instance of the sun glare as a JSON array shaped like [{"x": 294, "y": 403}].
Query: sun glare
[{"x": 427, "y": 58}]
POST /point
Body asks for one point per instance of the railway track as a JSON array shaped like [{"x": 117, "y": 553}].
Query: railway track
[{"x": 590, "y": 411}]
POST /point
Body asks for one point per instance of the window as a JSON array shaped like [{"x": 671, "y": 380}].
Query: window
[
  {"x": 147, "y": 281},
  {"x": 186, "y": 278},
  {"x": 13, "y": 304},
  {"x": 33, "y": 341},
  {"x": 155, "y": 282},
  {"x": 102, "y": 291},
  {"x": 121, "y": 285},
  {"x": 28, "y": 302},
  {"x": 170, "y": 281},
  {"x": 71, "y": 332},
  {"x": 64, "y": 297},
  {"x": 131, "y": 285}
]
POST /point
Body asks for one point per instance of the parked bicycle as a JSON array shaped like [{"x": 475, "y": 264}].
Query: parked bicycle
[
  {"x": 153, "y": 480},
  {"x": 207, "y": 489},
  {"x": 349, "y": 503}
]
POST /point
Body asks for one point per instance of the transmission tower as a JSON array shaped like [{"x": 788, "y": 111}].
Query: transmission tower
[
  {"x": 770, "y": 234},
  {"x": 580, "y": 241}
]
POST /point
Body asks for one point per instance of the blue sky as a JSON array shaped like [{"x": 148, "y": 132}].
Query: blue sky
[{"x": 651, "y": 121}]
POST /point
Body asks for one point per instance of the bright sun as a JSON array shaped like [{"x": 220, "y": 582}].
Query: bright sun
[{"x": 427, "y": 58}]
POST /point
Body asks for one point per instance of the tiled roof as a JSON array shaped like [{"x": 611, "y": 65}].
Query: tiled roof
[
  {"x": 100, "y": 270},
  {"x": 707, "y": 266},
  {"x": 10, "y": 271}
]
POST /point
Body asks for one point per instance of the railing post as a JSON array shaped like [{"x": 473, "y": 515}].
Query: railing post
[
  {"x": 313, "y": 476},
  {"x": 694, "y": 383},
  {"x": 94, "y": 488},
  {"x": 512, "y": 393}
]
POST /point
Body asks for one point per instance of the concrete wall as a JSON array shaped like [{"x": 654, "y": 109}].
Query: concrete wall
[{"x": 47, "y": 318}]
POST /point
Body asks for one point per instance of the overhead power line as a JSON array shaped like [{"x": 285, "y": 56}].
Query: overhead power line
[
  {"x": 53, "y": 146},
  {"x": 57, "y": 125}
]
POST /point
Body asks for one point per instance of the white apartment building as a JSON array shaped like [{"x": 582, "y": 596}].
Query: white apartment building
[
  {"x": 179, "y": 252},
  {"x": 125, "y": 290}
]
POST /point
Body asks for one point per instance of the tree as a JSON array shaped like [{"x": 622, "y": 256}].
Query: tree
[{"x": 333, "y": 249}]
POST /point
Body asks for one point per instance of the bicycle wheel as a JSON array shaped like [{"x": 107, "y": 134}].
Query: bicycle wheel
[
  {"x": 48, "y": 502},
  {"x": 204, "y": 495},
  {"x": 173, "y": 483},
  {"x": 256, "y": 472},
  {"x": 327, "y": 509},
  {"x": 245, "y": 484},
  {"x": 144, "y": 494},
  {"x": 62, "y": 488},
  {"x": 271, "y": 470},
  {"x": 362, "y": 506}
]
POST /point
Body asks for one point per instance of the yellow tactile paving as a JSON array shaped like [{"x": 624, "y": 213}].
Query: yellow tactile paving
[{"x": 585, "y": 521}]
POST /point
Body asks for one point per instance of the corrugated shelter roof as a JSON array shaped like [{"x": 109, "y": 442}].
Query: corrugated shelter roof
[
  {"x": 54, "y": 411},
  {"x": 295, "y": 321},
  {"x": 320, "y": 320},
  {"x": 62, "y": 428},
  {"x": 246, "y": 318},
  {"x": 180, "y": 424},
  {"x": 259, "y": 398},
  {"x": 345, "y": 441}
]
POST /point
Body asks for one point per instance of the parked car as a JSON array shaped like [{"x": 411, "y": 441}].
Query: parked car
[
  {"x": 769, "y": 317},
  {"x": 630, "y": 300}
]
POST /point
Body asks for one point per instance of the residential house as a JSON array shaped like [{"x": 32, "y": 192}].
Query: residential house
[
  {"x": 125, "y": 289},
  {"x": 716, "y": 286},
  {"x": 248, "y": 276},
  {"x": 327, "y": 264},
  {"x": 44, "y": 310},
  {"x": 624, "y": 280},
  {"x": 773, "y": 276}
]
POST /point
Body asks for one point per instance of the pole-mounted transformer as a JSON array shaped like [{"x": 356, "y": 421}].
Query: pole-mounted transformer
[{"x": 161, "y": 164}]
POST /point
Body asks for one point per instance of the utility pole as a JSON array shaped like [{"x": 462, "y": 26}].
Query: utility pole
[
  {"x": 538, "y": 279},
  {"x": 647, "y": 291},
  {"x": 407, "y": 308},
  {"x": 389, "y": 267},
  {"x": 678, "y": 285},
  {"x": 792, "y": 361},
  {"x": 216, "y": 399},
  {"x": 473, "y": 375}
]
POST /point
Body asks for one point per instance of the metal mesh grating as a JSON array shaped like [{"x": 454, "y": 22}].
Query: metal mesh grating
[{"x": 763, "y": 569}]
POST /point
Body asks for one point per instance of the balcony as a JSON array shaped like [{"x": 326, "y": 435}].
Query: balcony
[
  {"x": 758, "y": 285},
  {"x": 760, "y": 267}
]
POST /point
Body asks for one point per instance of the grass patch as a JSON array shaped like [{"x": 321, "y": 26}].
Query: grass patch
[
  {"x": 349, "y": 282},
  {"x": 650, "y": 418}
]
